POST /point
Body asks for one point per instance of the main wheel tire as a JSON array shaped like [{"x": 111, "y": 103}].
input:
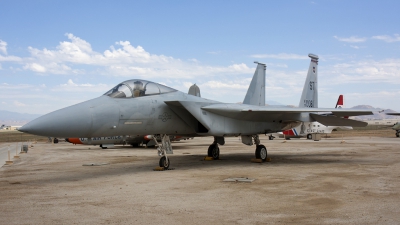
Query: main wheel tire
[
  {"x": 213, "y": 151},
  {"x": 309, "y": 136},
  {"x": 397, "y": 134},
  {"x": 55, "y": 140},
  {"x": 261, "y": 152},
  {"x": 164, "y": 162},
  {"x": 271, "y": 138}
]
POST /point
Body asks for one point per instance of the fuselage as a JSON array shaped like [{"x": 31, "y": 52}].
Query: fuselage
[
  {"x": 150, "y": 109},
  {"x": 106, "y": 116}
]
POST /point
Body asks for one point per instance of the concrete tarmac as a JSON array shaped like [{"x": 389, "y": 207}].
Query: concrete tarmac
[{"x": 332, "y": 181}]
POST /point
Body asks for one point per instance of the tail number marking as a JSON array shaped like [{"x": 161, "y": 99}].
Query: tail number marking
[
  {"x": 312, "y": 85},
  {"x": 308, "y": 103}
]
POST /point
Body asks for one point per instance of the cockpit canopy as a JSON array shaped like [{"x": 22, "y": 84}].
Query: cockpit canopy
[{"x": 137, "y": 88}]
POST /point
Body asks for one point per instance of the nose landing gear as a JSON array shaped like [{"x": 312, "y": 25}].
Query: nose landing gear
[{"x": 164, "y": 149}]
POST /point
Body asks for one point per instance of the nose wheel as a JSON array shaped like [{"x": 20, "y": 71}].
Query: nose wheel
[
  {"x": 163, "y": 149},
  {"x": 164, "y": 162}
]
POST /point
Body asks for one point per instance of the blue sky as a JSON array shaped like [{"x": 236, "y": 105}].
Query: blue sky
[{"x": 57, "y": 53}]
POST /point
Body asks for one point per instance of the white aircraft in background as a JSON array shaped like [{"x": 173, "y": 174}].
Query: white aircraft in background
[{"x": 306, "y": 129}]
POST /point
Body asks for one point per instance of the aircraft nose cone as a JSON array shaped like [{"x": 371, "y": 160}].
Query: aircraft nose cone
[{"x": 73, "y": 121}]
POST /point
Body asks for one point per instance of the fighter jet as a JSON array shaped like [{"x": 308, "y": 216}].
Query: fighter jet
[{"x": 137, "y": 106}]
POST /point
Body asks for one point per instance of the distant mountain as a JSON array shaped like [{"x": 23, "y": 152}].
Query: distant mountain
[
  {"x": 377, "y": 115},
  {"x": 14, "y": 118},
  {"x": 271, "y": 102}
]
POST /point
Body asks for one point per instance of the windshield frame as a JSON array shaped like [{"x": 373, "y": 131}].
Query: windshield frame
[{"x": 138, "y": 88}]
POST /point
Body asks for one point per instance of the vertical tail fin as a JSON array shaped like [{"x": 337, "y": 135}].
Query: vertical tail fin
[
  {"x": 309, "y": 97},
  {"x": 256, "y": 93},
  {"x": 340, "y": 102}
]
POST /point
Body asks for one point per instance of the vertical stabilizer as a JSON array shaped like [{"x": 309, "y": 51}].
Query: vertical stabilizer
[
  {"x": 309, "y": 97},
  {"x": 256, "y": 93},
  {"x": 340, "y": 103},
  {"x": 194, "y": 90}
]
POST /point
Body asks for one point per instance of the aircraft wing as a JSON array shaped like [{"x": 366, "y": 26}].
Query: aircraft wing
[{"x": 329, "y": 117}]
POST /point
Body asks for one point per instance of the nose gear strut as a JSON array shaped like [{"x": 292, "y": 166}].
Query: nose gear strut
[{"x": 163, "y": 149}]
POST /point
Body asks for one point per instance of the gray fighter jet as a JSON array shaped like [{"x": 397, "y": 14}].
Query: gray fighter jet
[{"x": 136, "y": 107}]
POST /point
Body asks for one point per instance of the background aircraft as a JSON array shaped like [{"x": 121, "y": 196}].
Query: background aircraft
[
  {"x": 396, "y": 126},
  {"x": 306, "y": 129},
  {"x": 134, "y": 107}
]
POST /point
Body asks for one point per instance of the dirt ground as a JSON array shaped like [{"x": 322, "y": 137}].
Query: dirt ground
[{"x": 354, "y": 180}]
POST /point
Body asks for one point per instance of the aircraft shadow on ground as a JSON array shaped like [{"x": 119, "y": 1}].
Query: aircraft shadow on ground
[{"x": 196, "y": 161}]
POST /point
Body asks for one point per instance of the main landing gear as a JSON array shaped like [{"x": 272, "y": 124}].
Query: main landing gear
[
  {"x": 271, "y": 137},
  {"x": 261, "y": 151},
  {"x": 213, "y": 149},
  {"x": 163, "y": 149},
  {"x": 398, "y": 133}
]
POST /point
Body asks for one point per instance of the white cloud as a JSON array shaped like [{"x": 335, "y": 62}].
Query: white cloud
[
  {"x": 10, "y": 58},
  {"x": 355, "y": 46},
  {"x": 387, "y": 38},
  {"x": 352, "y": 39},
  {"x": 3, "y": 47},
  {"x": 279, "y": 56},
  {"x": 121, "y": 59},
  {"x": 367, "y": 71},
  {"x": 225, "y": 85},
  {"x": 19, "y": 104},
  {"x": 193, "y": 60},
  {"x": 35, "y": 67},
  {"x": 71, "y": 86}
]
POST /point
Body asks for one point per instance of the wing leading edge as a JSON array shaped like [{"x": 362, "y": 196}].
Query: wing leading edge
[{"x": 265, "y": 114}]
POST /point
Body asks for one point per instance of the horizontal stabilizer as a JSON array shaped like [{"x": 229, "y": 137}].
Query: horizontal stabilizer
[
  {"x": 393, "y": 114},
  {"x": 337, "y": 121},
  {"x": 350, "y": 112}
]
